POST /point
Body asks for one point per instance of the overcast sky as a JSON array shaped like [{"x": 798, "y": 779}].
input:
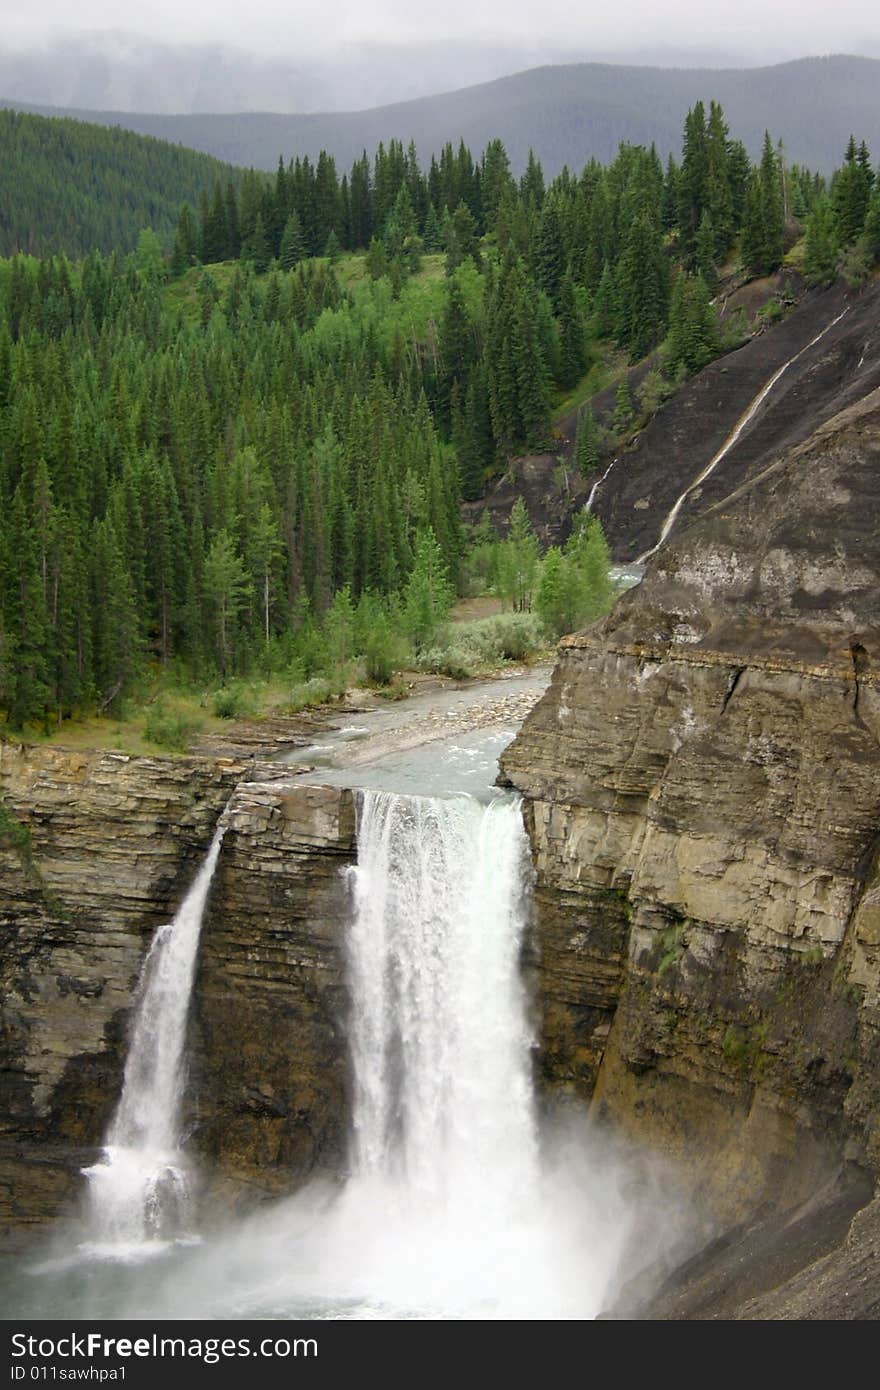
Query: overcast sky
[{"x": 751, "y": 27}]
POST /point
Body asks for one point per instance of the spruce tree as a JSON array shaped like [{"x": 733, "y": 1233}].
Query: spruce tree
[
  {"x": 704, "y": 257},
  {"x": 291, "y": 251},
  {"x": 623, "y": 407},
  {"x": 572, "y": 352},
  {"x": 428, "y": 593},
  {"x": 586, "y": 444},
  {"x": 821, "y": 251}
]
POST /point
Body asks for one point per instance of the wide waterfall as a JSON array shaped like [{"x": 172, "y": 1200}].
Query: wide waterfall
[
  {"x": 460, "y": 1201},
  {"x": 451, "y": 1208},
  {"x": 139, "y": 1191},
  {"x": 439, "y": 1037}
]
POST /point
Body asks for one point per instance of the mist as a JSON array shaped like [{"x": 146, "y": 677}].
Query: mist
[{"x": 201, "y": 58}]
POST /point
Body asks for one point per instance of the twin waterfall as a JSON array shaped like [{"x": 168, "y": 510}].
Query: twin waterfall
[{"x": 452, "y": 1207}]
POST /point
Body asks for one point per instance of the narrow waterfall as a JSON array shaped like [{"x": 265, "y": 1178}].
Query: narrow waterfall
[
  {"x": 140, "y": 1189},
  {"x": 744, "y": 420},
  {"x": 440, "y": 1041}
]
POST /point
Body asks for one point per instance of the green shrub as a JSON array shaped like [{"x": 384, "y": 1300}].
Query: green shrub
[
  {"x": 14, "y": 833},
  {"x": 320, "y": 690},
  {"x": 467, "y": 649},
  {"x": 233, "y": 702},
  {"x": 169, "y": 728}
]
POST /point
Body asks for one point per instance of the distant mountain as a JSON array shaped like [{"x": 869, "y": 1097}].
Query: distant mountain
[
  {"x": 118, "y": 71},
  {"x": 65, "y": 185},
  {"x": 567, "y": 114}
]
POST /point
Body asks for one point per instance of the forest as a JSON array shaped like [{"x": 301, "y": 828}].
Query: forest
[
  {"x": 67, "y": 185},
  {"x": 245, "y": 450}
]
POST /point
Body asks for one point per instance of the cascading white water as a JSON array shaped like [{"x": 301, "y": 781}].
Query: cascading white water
[
  {"x": 139, "y": 1191},
  {"x": 451, "y": 1209},
  {"x": 455, "y": 1205},
  {"x": 440, "y": 1042},
  {"x": 588, "y": 505}
]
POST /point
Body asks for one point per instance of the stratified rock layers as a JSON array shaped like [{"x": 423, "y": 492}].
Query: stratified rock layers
[
  {"x": 703, "y": 797},
  {"x": 112, "y": 843}
]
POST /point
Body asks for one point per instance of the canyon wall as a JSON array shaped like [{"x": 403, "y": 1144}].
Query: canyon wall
[
  {"x": 96, "y": 851},
  {"x": 702, "y": 784}
]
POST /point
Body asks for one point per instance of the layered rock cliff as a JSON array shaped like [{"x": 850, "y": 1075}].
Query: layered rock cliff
[
  {"x": 96, "y": 851},
  {"x": 703, "y": 797}
]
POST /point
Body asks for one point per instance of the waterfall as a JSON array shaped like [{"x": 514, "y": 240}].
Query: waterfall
[
  {"x": 456, "y": 1205},
  {"x": 139, "y": 1191},
  {"x": 588, "y": 505},
  {"x": 439, "y": 1036}
]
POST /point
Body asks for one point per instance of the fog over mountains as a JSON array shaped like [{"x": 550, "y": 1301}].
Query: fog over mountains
[
  {"x": 128, "y": 72},
  {"x": 566, "y": 113}
]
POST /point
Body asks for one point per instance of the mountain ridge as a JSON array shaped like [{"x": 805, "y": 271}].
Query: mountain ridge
[{"x": 568, "y": 113}]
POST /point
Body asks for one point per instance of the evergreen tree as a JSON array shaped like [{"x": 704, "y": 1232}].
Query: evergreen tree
[
  {"x": 572, "y": 352},
  {"x": 851, "y": 191},
  {"x": 186, "y": 242},
  {"x": 763, "y": 231},
  {"x": 291, "y": 250},
  {"x": 643, "y": 289},
  {"x": 255, "y": 247},
  {"x": 820, "y": 258},
  {"x": 605, "y": 305},
  {"x": 586, "y": 445},
  {"x": 428, "y": 593},
  {"x": 226, "y": 590},
  {"x": 516, "y": 565},
  {"x": 623, "y": 407},
  {"x": 704, "y": 258}
]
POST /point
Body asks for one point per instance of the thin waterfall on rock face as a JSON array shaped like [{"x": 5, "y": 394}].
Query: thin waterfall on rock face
[
  {"x": 439, "y": 1036},
  {"x": 140, "y": 1190}
]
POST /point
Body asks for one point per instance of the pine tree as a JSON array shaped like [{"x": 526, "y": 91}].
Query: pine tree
[
  {"x": 821, "y": 252},
  {"x": 291, "y": 251},
  {"x": 572, "y": 352},
  {"x": 186, "y": 242},
  {"x": 764, "y": 227},
  {"x": 428, "y": 593},
  {"x": 851, "y": 191},
  {"x": 226, "y": 590},
  {"x": 704, "y": 258},
  {"x": 643, "y": 289},
  {"x": 693, "y": 178},
  {"x": 605, "y": 305},
  {"x": 586, "y": 444},
  {"x": 516, "y": 565},
  {"x": 872, "y": 226},
  {"x": 255, "y": 247}
]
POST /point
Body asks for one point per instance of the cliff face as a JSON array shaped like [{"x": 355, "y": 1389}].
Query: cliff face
[
  {"x": 703, "y": 797},
  {"x": 268, "y": 1086},
  {"x": 111, "y": 844}
]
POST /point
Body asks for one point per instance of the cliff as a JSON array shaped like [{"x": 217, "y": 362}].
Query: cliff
[
  {"x": 703, "y": 797},
  {"x": 96, "y": 851}
]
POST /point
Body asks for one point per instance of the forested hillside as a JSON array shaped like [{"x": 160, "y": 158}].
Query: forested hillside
[
  {"x": 68, "y": 186},
  {"x": 567, "y": 114},
  {"x": 252, "y": 457}
]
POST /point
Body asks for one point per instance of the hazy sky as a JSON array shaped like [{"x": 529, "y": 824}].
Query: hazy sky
[{"x": 753, "y": 27}]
